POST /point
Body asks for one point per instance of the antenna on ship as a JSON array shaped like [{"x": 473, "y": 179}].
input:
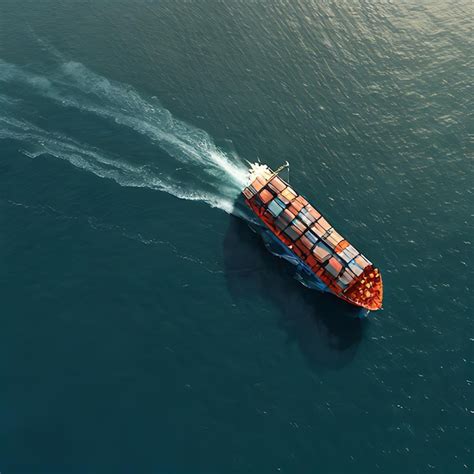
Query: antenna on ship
[{"x": 281, "y": 168}]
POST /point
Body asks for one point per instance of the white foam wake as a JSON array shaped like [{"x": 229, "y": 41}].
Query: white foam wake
[
  {"x": 74, "y": 86},
  {"x": 95, "y": 161}
]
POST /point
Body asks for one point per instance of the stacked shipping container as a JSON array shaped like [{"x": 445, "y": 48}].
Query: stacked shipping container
[{"x": 303, "y": 229}]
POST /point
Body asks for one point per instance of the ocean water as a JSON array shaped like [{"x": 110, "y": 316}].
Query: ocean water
[{"x": 144, "y": 327}]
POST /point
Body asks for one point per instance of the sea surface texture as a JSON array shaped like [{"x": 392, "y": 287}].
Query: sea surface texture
[{"x": 144, "y": 327}]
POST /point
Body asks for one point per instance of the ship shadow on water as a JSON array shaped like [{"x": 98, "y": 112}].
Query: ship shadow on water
[{"x": 326, "y": 329}]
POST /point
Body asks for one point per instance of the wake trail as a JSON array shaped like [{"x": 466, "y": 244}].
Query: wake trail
[
  {"x": 217, "y": 177},
  {"x": 95, "y": 161}
]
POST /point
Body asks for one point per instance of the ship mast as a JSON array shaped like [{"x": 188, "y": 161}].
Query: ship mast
[{"x": 281, "y": 168}]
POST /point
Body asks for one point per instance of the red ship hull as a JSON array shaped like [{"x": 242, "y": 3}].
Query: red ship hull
[{"x": 309, "y": 236}]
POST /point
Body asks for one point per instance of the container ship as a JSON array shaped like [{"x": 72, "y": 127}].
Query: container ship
[{"x": 324, "y": 259}]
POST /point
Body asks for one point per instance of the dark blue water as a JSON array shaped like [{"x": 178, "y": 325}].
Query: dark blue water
[{"x": 144, "y": 327}]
